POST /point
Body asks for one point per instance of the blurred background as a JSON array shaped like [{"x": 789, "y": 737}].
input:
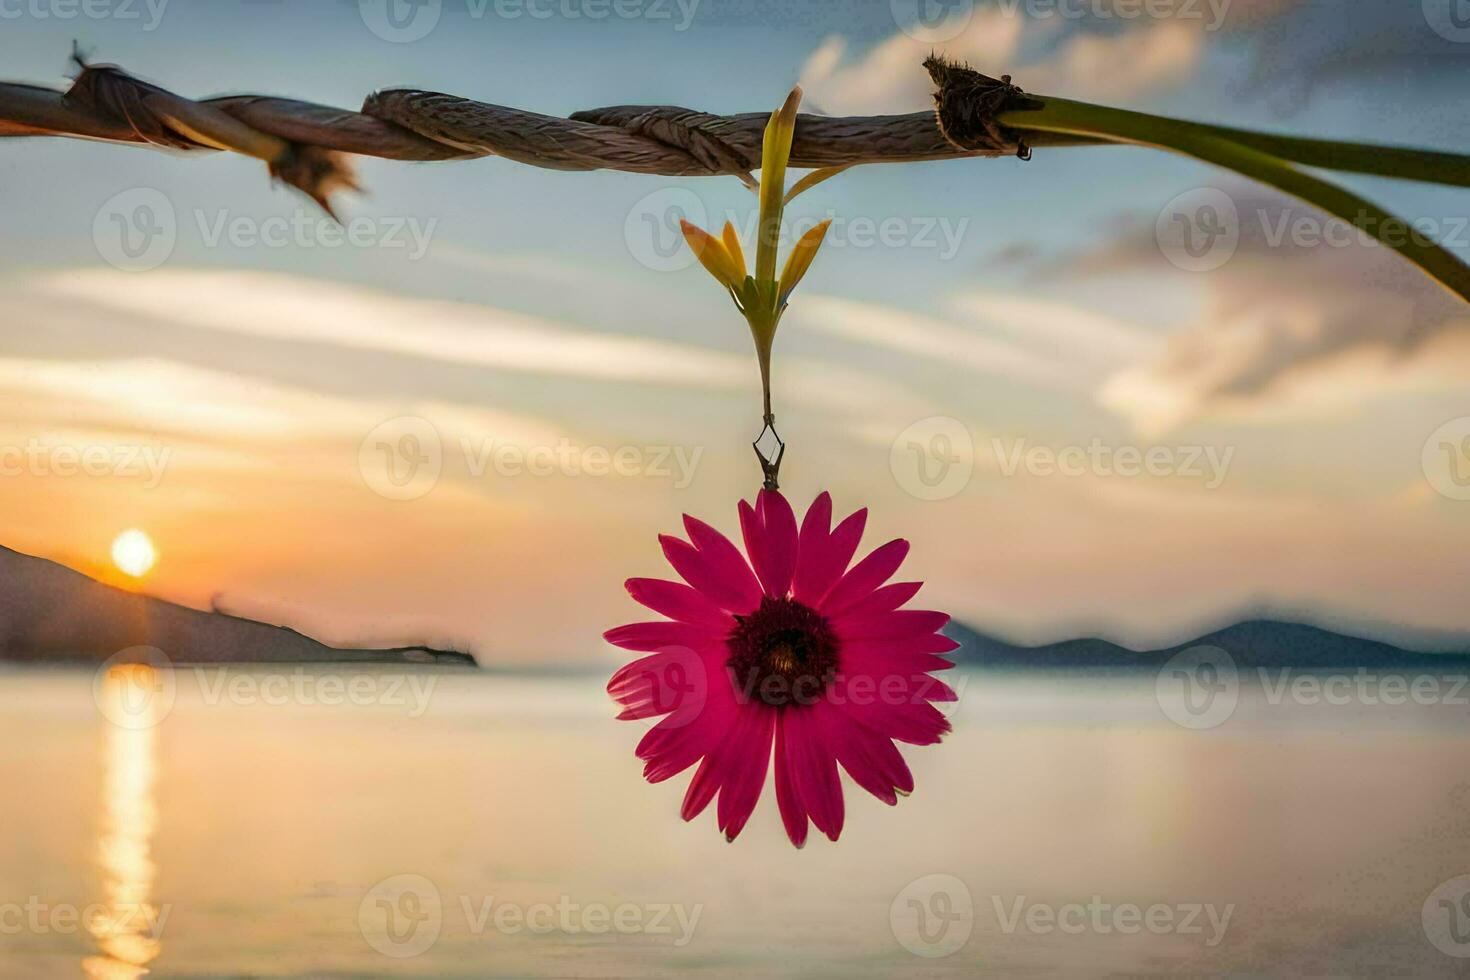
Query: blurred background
[{"x": 1106, "y": 392}]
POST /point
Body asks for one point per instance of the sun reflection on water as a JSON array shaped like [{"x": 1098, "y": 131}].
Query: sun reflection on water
[{"x": 127, "y": 930}]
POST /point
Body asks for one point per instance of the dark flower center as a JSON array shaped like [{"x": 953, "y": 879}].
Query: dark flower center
[{"x": 783, "y": 653}]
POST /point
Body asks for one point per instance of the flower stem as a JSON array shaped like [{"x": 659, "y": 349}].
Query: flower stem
[
  {"x": 763, "y": 355},
  {"x": 1265, "y": 157}
]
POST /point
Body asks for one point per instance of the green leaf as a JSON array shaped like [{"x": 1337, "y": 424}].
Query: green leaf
[{"x": 1248, "y": 157}]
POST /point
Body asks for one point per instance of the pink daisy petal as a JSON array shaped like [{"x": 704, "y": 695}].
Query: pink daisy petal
[
  {"x": 703, "y": 787},
  {"x": 811, "y": 545},
  {"x": 864, "y": 577},
  {"x": 814, "y": 771},
  {"x": 750, "y": 753},
  {"x": 663, "y": 634},
  {"x": 636, "y": 686},
  {"x": 902, "y": 719},
  {"x": 788, "y": 800},
  {"x": 725, "y": 558},
  {"x": 825, "y": 564},
  {"x": 722, "y": 764},
  {"x": 852, "y": 752},
  {"x": 675, "y": 750},
  {"x": 870, "y": 759},
  {"x": 754, "y": 535},
  {"x": 886, "y": 599},
  {"x": 640, "y": 709},
  {"x": 687, "y": 735},
  {"x": 667, "y": 681},
  {"x": 678, "y": 601},
  {"x": 931, "y": 688},
  {"x": 886, "y": 756},
  {"x": 895, "y": 625},
  {"x": 779, "y": 523},
  {"x": 728, "y": 589},
  {"x": 917, "y": 643},
  {"x": 878, "y": 658},
  {"x": 894, "y": 688}
]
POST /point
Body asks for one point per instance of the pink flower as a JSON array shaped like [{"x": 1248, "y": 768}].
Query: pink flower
[{"x": 793, "y": 648}]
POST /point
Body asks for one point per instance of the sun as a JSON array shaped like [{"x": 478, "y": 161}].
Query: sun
[{"x": 133, "y": 553}]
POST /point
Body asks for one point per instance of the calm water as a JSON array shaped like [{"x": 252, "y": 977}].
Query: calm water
[{"x": 492, "y": 826}]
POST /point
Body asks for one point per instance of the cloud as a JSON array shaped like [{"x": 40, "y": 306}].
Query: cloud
[
  {"x": 1044, "y": 55},
  {"x": 1298, "y": 46},
  {"x": 917, "y": 335},
  {"x": 143, "y": 395},
  {"x": 890, "y": 76},
  {"x": 1045, "y": 342},
  {"x": 1067, "y": 333},
  {"x": 1119, "y": 67},
  {"x": 280, "y": 307},
  {"x": 118, "y": 400},
  {"x": 1107, "y": 51},
  {"x": 1305, "y": 318}
]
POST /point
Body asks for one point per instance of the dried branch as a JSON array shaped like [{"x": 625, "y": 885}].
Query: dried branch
[{"x": 304, "y": 143}]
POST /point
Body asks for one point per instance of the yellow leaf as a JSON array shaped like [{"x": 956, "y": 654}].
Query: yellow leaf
[
  {"x": 801, "y": 257},
  {"x": 775, "y": 149},
  {"x": 812, "y": 180},
  {"x": 711, "y": 254},
  {"x": 732, "y": 245}
]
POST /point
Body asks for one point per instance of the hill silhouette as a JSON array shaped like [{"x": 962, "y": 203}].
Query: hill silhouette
[
  {"x": 50, "y": 613},
  {"x": 1255, "y": 643}
]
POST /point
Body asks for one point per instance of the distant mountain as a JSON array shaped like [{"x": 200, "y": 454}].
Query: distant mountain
[
  {"x": 1254, "y": 643},
  {"x": 49, "y": 613}
]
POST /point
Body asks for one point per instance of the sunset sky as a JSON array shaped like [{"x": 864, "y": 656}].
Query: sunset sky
[{"x": 237, "y": 395}]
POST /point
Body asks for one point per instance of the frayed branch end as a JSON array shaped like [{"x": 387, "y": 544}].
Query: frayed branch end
[{"x": 967, "y": 103}]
